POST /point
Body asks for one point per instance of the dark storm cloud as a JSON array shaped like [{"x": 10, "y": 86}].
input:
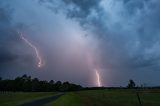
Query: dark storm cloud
[
  {"x": 76, "y": 8},
  {"x": 6, "y": 56},
  {"x": 126, "y": 33},
  {"x": 147, "y": 29},
  {"x": 133, "y": 6},
  {"x": 11, "y": 46},
  {"x": 82, "y": 7},
  {"x": 132, "y": 22},
  {"x": 45, "y": 32},
  {"x": 4, "y": 16}
]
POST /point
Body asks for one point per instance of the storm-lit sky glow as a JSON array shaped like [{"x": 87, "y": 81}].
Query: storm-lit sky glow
[{"x": 87, "y": 42}]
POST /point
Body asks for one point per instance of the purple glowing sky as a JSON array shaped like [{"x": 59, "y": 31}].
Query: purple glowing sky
[{"x": 118, "y": 38}]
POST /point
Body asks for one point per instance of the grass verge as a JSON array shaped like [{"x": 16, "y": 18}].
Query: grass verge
[
  {"x": 13, "y": 99},
  {"x": 69, "y": 99}
]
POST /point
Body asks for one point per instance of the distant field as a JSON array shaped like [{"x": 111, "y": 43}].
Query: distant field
[
  {"x": 87, "y": 98},
  {"x": 109, "y": 98},
  {"x": 13, "y": 99}
]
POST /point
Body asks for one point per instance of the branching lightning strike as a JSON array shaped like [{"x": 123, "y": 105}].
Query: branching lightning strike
[{"x": 40, "y": 63}]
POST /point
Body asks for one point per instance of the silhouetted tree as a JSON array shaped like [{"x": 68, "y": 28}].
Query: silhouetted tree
[
  {"x": 58, "y": 85},
  {"x": 51, "y": 82},
  {"x": 51, "y": 85},
  {"x": 27, "y": 84},
  {"x": 65, "y": 86},
  {"x": 131, "y": 84},
  {"x": 18, "y": 83},
  {"x": 35, "y": 84}
]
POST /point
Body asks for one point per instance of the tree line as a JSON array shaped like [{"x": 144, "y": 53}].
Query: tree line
[{"x": 27, "y": 84}]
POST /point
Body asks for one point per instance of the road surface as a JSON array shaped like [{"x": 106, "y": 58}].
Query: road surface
[{"x": 42, "y": 102}]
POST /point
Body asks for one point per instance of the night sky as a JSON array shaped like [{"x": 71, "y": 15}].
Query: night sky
[{"x": 118, "y": 38}]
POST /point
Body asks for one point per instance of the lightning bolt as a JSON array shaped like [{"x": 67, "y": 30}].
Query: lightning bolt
[
  {"x": 95, "y": 68},
  {"x": 98, "y": 79},
  {"x": 40, "y": 63}
]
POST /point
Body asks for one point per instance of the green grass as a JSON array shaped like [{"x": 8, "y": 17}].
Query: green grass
[
  {"x": 119, "y": 98},
  {"x": 69, "y": 99},
  {"x": 109, "y": 98},
  {"x": 87, "y": 98},
  {"x": 13, "y": 99}
]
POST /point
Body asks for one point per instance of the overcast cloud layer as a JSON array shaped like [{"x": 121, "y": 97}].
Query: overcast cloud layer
[{"x": 120, "y": 38}]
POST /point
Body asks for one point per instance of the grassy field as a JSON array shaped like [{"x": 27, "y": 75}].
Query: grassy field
[
  {"x": 109, "y": 98},
  {"x": 13, "y": 99},
  {"x": 69, "y": 99},
  {"x": 87, "y": 98}
]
